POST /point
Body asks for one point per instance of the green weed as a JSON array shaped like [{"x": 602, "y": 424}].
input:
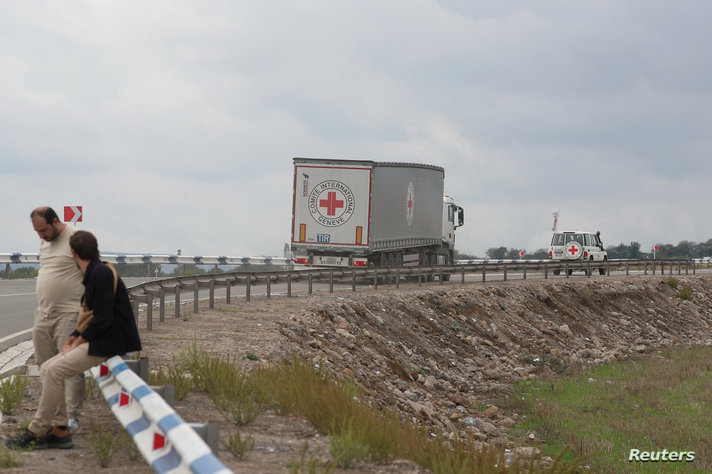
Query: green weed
[
  {"x": 101, "y": 444},
  {"x": 181, "y": 380},
  {"x": 238, "y": 446},
  {"x": 673, "y": 282},
  {"x": 11, "y": 391},
  {"x": 310, "y": 466},
  {"x": 685, "y": 293},
  {"x": 9, "y": 459}
]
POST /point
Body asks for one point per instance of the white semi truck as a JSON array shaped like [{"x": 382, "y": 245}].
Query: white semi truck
[{"x": 367, "y": 213}]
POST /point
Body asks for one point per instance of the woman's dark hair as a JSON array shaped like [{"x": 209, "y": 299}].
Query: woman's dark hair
[
  {"x": 84, "y": 244},
  {"x": 46, "y": 212}
]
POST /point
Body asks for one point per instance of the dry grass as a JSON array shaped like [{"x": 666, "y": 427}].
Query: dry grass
[{"x": 358, "y": 432}]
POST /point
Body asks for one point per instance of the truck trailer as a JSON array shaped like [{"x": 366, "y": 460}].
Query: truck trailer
[{"x": 366, "y": 213}]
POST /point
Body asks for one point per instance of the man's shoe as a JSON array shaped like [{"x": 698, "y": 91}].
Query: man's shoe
[
  {"x": 59, "y": 442},
  {"x": 27, "y": 441}
]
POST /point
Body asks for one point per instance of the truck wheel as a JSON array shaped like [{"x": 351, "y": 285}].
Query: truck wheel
[
  {"x": 570, "y": 271},
  {"x": 448, "y": 260},
  {"x": 556, "y": 272}
]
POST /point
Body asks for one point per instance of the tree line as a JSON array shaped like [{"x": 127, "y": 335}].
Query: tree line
[{"x": 632, "y": 250}]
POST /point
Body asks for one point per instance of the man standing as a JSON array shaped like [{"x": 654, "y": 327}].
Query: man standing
[
  {"x": 59, "y": 290},
  {"x": 111, "y": 331}
]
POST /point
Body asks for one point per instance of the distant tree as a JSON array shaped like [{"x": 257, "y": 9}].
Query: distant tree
[
  {"x": 538, "y": 254},
  {"x": 634, "y": 250},
  {"x": 496, "y": 252},
  {"x": 464, "y": 256},
  {"x": 23, "y": 272},
  {"x": 137, "y": 269},
  {"x": 513, "y": 253}
]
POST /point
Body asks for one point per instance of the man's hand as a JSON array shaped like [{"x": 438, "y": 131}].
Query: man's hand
[{"x": 72, "y": 342}]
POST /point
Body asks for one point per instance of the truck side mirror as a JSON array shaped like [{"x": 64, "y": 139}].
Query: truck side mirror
[{"x": 460, "y": 216}]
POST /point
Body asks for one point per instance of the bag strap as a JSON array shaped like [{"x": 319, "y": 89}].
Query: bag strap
[{"x": 116, "y": 275}]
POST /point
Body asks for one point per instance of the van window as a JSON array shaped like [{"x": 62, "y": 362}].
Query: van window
[
  {"x": 589, "y": 241},
  {"x": 574, "y": 237}
]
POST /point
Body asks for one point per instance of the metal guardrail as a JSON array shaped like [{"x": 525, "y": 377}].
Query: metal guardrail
[
  {"x": 169, "y": 444},
  {"x": 149, "y": 292},
  {"x": 34, "y": 258}
]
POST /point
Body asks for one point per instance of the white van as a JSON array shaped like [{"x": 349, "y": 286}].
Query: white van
[{"x": 577, "y": 245}]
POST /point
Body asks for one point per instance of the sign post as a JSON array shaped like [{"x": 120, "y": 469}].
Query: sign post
[{"x": 655, "y": 247}]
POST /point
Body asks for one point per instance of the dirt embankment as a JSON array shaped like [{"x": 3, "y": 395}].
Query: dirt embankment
[{"x": 439, "y": 355}]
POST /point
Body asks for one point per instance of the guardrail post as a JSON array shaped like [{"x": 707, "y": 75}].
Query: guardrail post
[
  {"x": 269, "y": 286},
  {"x": 289, "y": 285},
  {"x": 196, "y": 289},
  {"x": 462, "y": 270},
  {"x": 398, "y": 278},
  {"x": 626, "y": 269},
  {"x": 228, "y": 286},
  {"x": 310, "y": 283},
  {"x": 375, "y": 279},
  {"x": 608, "y": 268},
  {"x": 134, "y": 307},
  {"x": 653, "y": 268},
  {"x": 505, "y": 271},
  {"x": 149, "y": 312},
  {"x": 353, "y": 280},
  {"x": 7, "y": 271},
  {"x": 161, "y": 305},
  {"x": 645, "y": 268},
  {"x": 484, "y": 272},
  {"x": 248, "y": 286},
  {"x": 210, "y": 432},
  {"x": 546, "y": 272},
  {"x": 331, "y": 281},
  {"x": 566, "y": 269},
  {"x": 139, "y": 367},
  {"x": 211, "y": 304},
  {"x": 588, "y": 270},
  {"x": 679, "y": 271},
  {"x": 441, "y": 276},
  {"x": 176, "y": 290},
  {"x": 420, "y": 277},
  {"x": 525, "y": 272}
]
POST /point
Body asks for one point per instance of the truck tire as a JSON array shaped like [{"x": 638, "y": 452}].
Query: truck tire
[{"x": 556, "y": 272}]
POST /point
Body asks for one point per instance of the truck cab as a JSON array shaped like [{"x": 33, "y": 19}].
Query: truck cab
[{"x": 453, "y": 217}]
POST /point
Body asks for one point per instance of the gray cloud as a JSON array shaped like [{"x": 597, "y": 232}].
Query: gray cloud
[{"x": 174, "y": 123}]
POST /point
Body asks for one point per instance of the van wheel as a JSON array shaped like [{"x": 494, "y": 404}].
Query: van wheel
[{"x": 602, "y": 270}]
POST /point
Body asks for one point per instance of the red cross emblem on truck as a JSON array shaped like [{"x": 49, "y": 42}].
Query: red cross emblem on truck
[
  {"x": 331, "y": 203},
  {"x": 574, "y": 250}
]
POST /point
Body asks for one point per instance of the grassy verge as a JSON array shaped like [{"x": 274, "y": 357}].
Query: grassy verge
[
  {"x": 358, "y": 432},
  {"x": 663, "y": 403}
]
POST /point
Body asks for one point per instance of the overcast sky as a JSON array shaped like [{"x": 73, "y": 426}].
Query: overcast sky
[{"x": 174, "y": 123}]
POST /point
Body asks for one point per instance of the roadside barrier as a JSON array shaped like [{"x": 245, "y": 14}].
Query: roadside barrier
[{"x": 168, "y": 443}]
